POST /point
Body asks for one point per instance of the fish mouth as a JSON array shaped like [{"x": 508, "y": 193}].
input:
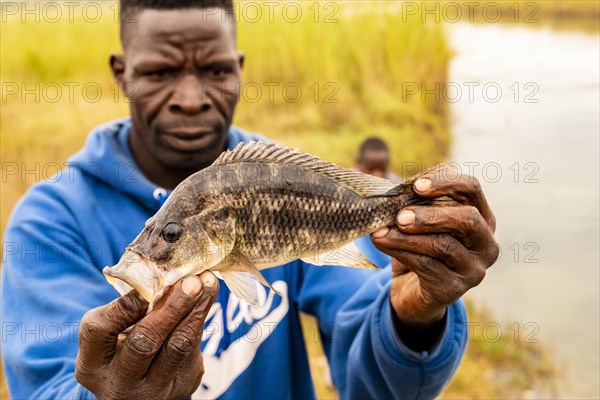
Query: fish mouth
[{"x": 134, "y": 271}]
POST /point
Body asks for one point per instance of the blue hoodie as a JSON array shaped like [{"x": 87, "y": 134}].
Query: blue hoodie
[{"x": 67, "y": 228}]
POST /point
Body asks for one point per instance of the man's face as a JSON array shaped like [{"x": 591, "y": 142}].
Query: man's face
[
  {"x": 374, "y": 162},
  {"x": 181, "y": 72}
]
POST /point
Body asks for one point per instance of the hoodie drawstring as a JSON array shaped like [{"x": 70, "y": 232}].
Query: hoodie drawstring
[{"x": 160, "y": 195}]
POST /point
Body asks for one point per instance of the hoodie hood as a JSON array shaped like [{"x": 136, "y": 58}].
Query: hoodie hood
[{"x": 107, "y": 157}]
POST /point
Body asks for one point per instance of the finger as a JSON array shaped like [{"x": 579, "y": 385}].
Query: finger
[
  {"x": 434, "y": 277},
  {"x": 465, "y": 189},
  {"x": 146, "y": 338},
  {"x": 463, "y": 222},
  {"x": 100, "y": 328},
  {"x": 470, "y": 266},
  {"x": 442, "y": 247},
  {"x": 182, "y": 348}
]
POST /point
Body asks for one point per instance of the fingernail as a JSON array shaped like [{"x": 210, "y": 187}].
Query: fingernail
[
  {"x": 381, "y": 233},
  {"x": 191, "y": 286},
  {"x": 208, "y": 278},
  {"x": 406, "y": 217},
  {"x": 422, "y": 184}
]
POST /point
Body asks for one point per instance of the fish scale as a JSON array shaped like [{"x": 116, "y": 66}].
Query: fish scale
[{"x": 258, "y": 206}]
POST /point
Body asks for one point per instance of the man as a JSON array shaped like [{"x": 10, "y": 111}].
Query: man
[
  {"x": 399, "y": 332},
  {"x": 374, "y": 159}
]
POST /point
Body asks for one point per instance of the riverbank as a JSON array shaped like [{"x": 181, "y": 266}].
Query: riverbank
[{"x": 581, "y": 15}]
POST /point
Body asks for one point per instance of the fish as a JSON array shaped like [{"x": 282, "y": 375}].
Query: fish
[{"x": 258, "y": 206}]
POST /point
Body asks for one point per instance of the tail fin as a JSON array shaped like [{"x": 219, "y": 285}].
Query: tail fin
[{"x": 406, "y": 193}]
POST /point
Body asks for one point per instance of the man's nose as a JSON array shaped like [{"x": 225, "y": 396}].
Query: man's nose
[{"x": 189, "y": 97}]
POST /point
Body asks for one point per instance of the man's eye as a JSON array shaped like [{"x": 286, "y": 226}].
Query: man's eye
[
  {"x": 219, "y": 72},
  {"x": 160, "y": 73}
]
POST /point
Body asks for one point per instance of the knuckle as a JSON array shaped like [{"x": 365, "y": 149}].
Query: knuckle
[
  {"x": 473, "y": 183},
  {"x": 427, "y": 263},
  {"x": 476, "y": 276},
  {"x": 449, "y": 290},
  {"x": 143, "y": 342},
  {"x": 492, "y": 223},
  {"x": 90, "y": 327},
  {"x": 472, "y": 218},
  {"x": 443, "y": 244},
  {"x": 455, "y": 290},
  {"x": 180, "y": 347},
  {"x": 494, "y": 252}
]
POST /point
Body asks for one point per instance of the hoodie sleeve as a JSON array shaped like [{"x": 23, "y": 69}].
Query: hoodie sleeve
[
  {"x": 48, "y": 283},
  {"x": 367, "y": 358}
]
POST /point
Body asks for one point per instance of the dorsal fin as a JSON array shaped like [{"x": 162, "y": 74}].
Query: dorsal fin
[{"x": 362, "y": 184}]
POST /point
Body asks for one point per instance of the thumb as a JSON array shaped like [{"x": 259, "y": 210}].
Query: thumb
[{"x": 100, "y": 327}]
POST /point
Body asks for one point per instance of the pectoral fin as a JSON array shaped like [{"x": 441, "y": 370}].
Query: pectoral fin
[
  {"x": 242, "y": 277},
  {"x": 251, "y": 268},
  {"x": 243, "y": 285},
  {"x": 346, "y": 256}
]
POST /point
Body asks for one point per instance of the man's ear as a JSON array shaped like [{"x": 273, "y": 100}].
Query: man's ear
[
  {"x": 117, "y": 66},
  {"x": 241, "y": 57}
]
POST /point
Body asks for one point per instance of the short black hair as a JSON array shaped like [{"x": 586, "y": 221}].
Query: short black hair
[
  {"x": 372, "y": 144},
  {"x": 130, "y": 8},
  {"x": 127, "y": 5}
]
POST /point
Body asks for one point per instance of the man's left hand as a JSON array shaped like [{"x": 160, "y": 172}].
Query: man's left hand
[{"x": 440, "y": 251}]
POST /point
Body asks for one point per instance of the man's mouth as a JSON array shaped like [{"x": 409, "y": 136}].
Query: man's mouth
[{"x": 189, "y": 139}]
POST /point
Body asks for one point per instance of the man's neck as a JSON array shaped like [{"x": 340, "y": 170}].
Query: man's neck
[{"x": 159, "y": 174}]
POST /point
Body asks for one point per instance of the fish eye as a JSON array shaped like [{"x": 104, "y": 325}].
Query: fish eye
[{"x": 171, "y": 232}]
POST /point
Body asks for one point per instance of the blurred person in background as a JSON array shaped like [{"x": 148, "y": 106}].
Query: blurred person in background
[
  {"x": 398, "y": 332},
  {"x": 374, "y": 159}
]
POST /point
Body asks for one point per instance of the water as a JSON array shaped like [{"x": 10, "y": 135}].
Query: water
[{"x": 545, "y": 144}]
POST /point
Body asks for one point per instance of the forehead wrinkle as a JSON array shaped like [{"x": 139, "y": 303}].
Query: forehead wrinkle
[
  {"x": 158, "y": 53},
  {"x": 180, "y": 32}
]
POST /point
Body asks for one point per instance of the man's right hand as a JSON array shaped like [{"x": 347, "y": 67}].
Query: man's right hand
[{"x": 160, "y": 357}]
